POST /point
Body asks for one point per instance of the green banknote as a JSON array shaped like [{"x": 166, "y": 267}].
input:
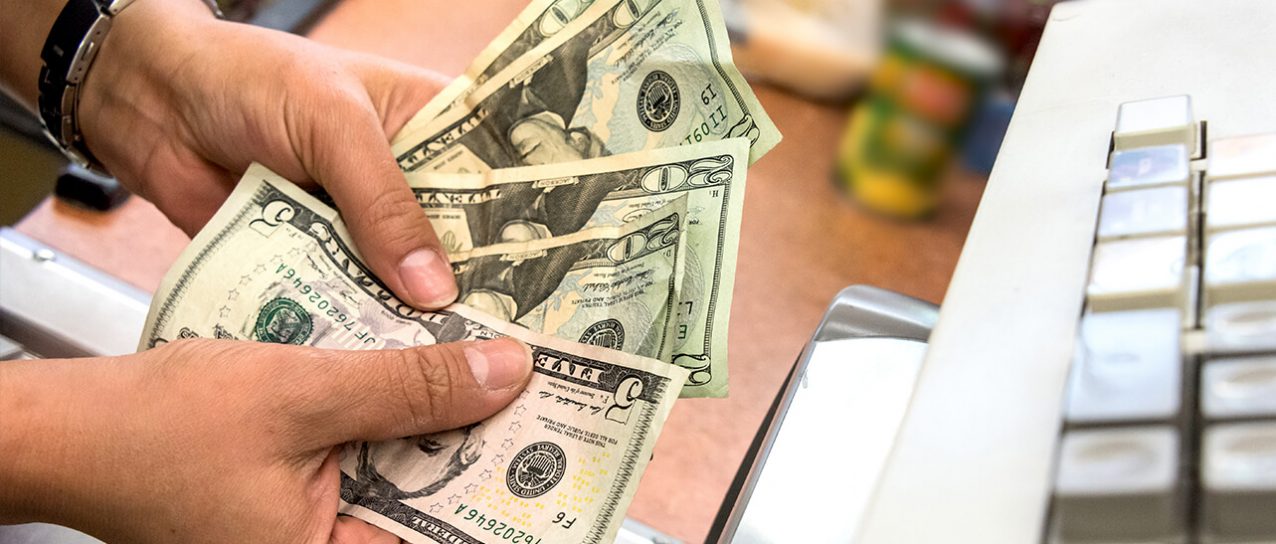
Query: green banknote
[
  {"x": 478, "y": 210},
  {"x": 540, "y": 20},
  {"x": 614, "y": 286},
  {"x": 560, "y": 464},
  {"x": 621, "y": 76}
]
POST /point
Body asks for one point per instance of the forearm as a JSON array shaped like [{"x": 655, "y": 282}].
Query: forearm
[
  {"x": 45, "y": 435},
  {"x": 25, "y": 27}
]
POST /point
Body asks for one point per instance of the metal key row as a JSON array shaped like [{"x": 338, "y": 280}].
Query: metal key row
[{"x": 1170, "y": 416}]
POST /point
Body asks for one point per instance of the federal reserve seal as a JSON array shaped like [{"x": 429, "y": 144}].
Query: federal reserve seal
[
  {"x": 658, "y": 101},
  {"x": 282, "y": 321},
  {"x": 536, "y": 469},
  {"x": 608, "y": 333}
]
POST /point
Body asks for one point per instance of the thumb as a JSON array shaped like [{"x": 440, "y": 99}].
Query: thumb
[
  {"x": 345, "y": 149},
  {"x": 380, "y": 395}
]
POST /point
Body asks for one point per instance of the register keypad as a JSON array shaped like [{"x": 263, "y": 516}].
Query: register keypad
[
  {"x": 1145, "y": 212},
  {"x": 1145, "y": 167},
  {"x": 1170, "y": 414}
]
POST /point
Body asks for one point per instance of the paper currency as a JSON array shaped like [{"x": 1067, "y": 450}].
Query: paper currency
[
  {"x": 560, "y": 464},
  {"x": 620, "y": 77},
  {"x": 476, "y": 210},
  {"x": 614, "y": 286},
  {"x": 540, "y": 20}
]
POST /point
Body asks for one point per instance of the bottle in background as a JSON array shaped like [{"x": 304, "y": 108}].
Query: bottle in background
[{"x": 919, "y": 104}]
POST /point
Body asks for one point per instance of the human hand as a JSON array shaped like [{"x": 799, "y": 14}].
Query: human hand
[
  {"x": 219, "y": 441},
  {"x": 178, "y": 105}
]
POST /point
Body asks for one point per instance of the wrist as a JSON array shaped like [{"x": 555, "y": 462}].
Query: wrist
[
  {"x": 13, "y": 425},
  {"x": 47, "y": 435},
  {"x": 26, "y": 429},
  {"x": 129, "y": 89}
]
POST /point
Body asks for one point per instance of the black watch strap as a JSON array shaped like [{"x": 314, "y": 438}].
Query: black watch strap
[
  {"x": 73, "y": 43},
  {"x": 76, "y": 32}
]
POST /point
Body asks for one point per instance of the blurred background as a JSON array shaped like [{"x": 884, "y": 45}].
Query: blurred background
[{"x": 927, "y": 85}]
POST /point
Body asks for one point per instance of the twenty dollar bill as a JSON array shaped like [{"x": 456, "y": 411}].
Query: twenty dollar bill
[
  {"x": 622, "y": 76},
  {"x": 560, "y": 464},
  {"x": 540, "y": 20},
  {"x": 614, "y": 286},
  {"x": 478, "y": 210}
]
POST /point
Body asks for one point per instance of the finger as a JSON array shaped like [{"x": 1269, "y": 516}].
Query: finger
[
  {"x": 398, "y": 90},
  {"x": 380, "y": 395},
  {"x": 349, "y": 155},
  {"x": 190, "y": 205},
  {"x": 348, "y": 530}
]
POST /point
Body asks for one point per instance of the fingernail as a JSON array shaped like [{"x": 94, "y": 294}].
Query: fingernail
[
  {"x": 499, "y": 364},
  {"x": 428, "y": 279}
]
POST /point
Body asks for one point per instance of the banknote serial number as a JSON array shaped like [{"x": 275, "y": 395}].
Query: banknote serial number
[
  {"x": 496, "y": 527},
  {"x": 717, "y": 117},
  {"x": 326, "y": 307}
]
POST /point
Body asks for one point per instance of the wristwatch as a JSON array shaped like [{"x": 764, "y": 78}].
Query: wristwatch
[{"x": 73, "y": 43}]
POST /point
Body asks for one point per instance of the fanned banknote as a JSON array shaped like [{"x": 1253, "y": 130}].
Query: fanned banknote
[
  {"x": 620, "y": 77},
  {"x": 540, "y": 20},
  {"x": 560, "y": 464},
  {"x": 614, "y": 286},
  {"x": 477, "y": 210}
]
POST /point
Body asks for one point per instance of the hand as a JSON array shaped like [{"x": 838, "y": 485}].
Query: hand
[
  {"x": 178, "y": 105},
  {"x": 221, "y": 441}
]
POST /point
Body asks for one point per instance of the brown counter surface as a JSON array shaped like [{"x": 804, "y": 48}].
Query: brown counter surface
[{"x": 801, "y": 242}]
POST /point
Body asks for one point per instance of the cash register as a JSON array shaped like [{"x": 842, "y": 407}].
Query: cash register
[{"x": 1103, "y": 369}]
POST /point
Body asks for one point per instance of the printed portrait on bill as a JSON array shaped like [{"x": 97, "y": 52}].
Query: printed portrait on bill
[{"x": 417, "y": 466}]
